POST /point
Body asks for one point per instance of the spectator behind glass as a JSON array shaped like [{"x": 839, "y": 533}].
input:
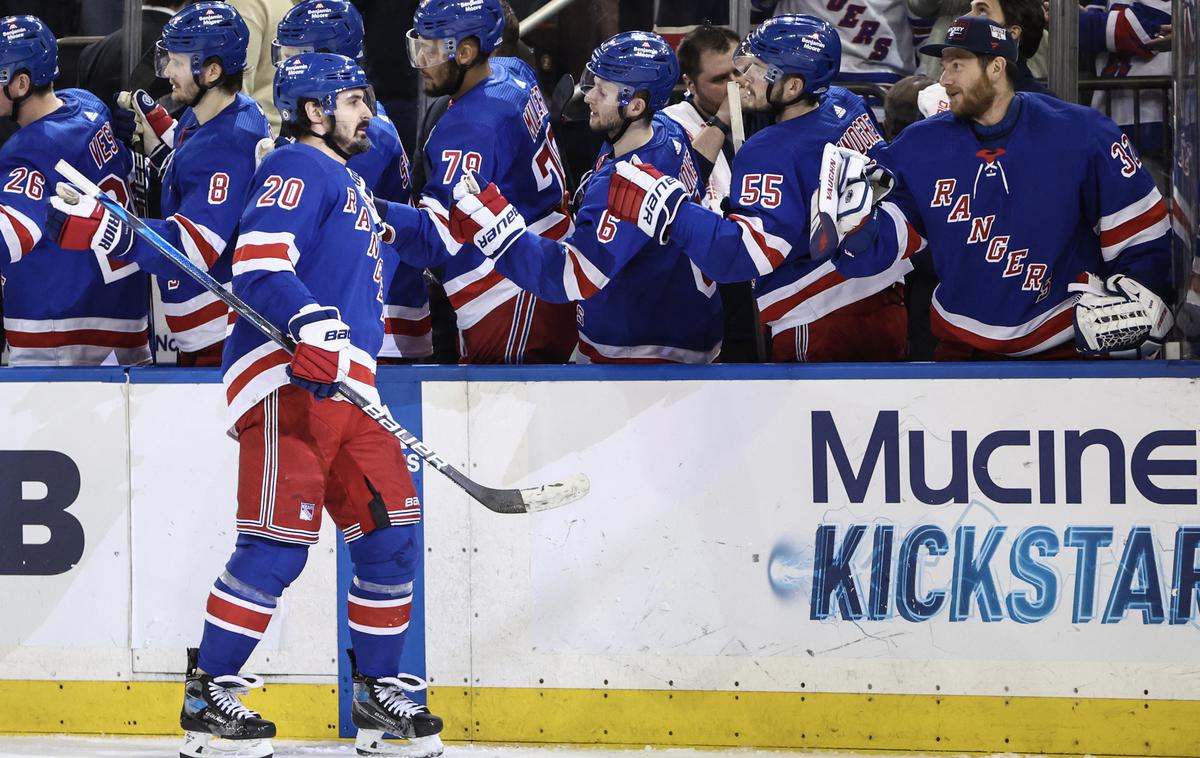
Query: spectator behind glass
[
  {"x": 879, "y": 37},
  {"x": 262, "y": 19},
  {"x": 100, "y": 63},
  {"x": 1026, "y": 22},
  {"x": 1130, "y": 39}
]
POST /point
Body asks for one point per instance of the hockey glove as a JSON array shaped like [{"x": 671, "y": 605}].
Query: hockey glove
[
  {"x": 641, "y": 194},
  {"x": 78, "y": 222},
  {"x": 144, "y": 125},
  {"x": 484, "y": 217},
  {"x": 1119, "y": 318},
  {"x": 322, "y": 358},
  {"x": 842, "y": 208}
]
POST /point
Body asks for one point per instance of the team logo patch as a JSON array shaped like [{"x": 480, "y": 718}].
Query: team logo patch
[{"x": 307, "y": 510}]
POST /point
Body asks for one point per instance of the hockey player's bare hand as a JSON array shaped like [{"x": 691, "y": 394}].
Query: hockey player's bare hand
[
  {"x": 78, "y": 222},
  {"x": 484, "y": 217},
  {"x": 1161, "y": 42},
  {"x": 322, "y": 357},
  {"x": 641, "y": 194}
]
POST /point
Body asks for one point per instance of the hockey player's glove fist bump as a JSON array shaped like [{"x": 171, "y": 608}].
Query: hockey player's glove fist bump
[
  {"x": 1119, "y": 317},
  {"x": 322, "y": 357},
  {"x": 641, "y": 194},
  {"x": 139, "y": 121},
  {"x": 78, "y": 222},
  {"x": 483, "y": 217},
  {"x": 138, "y": 113},
  {"x": 843, "y": 207}
]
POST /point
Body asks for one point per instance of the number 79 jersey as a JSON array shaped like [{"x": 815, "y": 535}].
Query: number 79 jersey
[{"x": 501, "y": 129}]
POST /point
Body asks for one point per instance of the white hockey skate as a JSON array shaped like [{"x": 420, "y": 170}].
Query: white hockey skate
[
  {"x": 381, "y": 706},
  {"x": 215, "y": 723}
]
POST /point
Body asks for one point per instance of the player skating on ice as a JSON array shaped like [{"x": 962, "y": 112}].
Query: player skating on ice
[
  {"x": 642, "y": 299},
  {"x": 787, "y": 67},
  {"x": 308, "y": 260}
]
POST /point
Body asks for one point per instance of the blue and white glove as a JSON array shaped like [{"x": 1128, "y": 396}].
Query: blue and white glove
[
  {"x": 483, "y": 217},
  {"x": 843, "y": 207},
  {"x": 641, "y": 194},
  {"x": 78, "y": 222},
  {"x": 322, "y": 357},
  {"x": 1119, "y": 318}
]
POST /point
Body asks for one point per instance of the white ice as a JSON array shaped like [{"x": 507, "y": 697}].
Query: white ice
[{"x": 168, "y": 747}]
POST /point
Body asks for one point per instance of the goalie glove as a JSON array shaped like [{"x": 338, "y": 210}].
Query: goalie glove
[
  {"x": 640, "y": 194},
  {"x": 484, "y": 217},
  {"x": 322, "y": 357},
  {"x": 842, "y": 208},
  {"x": 1119, "y": 317},
  {"x": 78, "y": 222}
]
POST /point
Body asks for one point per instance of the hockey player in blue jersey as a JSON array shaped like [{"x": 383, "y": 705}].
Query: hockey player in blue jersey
[
  {"x": 207, "y": 160},
  {"x": 498, "y": 125},
  {"x": 1047, "y": 235},
  {"x": 814, "y": 313},
  {"x": 60, "y": 308},
  {"x": 308, "y": 258},
  {"x": 641, "y": 301},
  {"x": 335, "y": 26}
]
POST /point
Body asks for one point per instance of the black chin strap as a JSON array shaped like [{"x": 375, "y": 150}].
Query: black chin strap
[
  {"x": 16, "y": 103},
  {"x": 777, "y": 109},
  {"x": 327, "y": 138},
  {"x": 626, "y": 122}
]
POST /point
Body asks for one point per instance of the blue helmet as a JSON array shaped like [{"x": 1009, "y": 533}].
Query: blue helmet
[
  {"x": 313, "y": 26},
  {"x": 203, "y": 31},
  {"x": 26, "y": 44},
  {"x": 450, "y": 22},
  {"x": 315, "y": 76},
  {"x": 794, "y": 44},
  {"x": 635, "y": 61}
]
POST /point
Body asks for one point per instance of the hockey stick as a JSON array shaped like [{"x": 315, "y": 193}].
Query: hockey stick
[
  {"x": 527, "y": 500},
  {"x": 734, "y": 93}
]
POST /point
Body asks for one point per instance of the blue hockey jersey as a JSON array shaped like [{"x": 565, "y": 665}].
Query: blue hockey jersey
[
  {"x": 204, "y": 191},
  {"x": 765, "y": 233},
  {"x": 641, "y": 302},
  {"x": 407, "y": 329},
  {"x": 66, "y": 307},
  {"x": 1015, "y": 213},
  {"x": 308, "y": 235},
  {"x": 501, "y": 129}
]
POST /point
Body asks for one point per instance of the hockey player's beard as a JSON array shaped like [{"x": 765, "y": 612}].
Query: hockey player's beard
[
  {"x": 974, "y": 102},
  {"x": 444, "y": 79},
  {"x": 347, "y": 146}
]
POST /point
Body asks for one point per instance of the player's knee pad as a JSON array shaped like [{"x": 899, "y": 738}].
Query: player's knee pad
[
  {"x": 265, "y": 565},
  {"x": 386, "y": 556}
]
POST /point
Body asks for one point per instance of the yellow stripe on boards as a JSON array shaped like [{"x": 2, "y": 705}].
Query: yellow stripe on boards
[
  {"x": 822, "y": 720},
  {"x": 659, "y": 717},
  {"x": 301, "y": 711}
]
